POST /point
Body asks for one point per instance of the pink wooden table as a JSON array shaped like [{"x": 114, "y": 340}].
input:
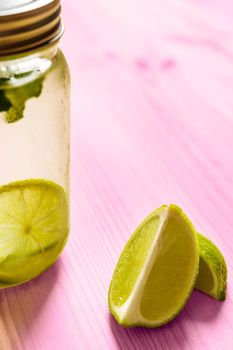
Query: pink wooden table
[{"x": 152, "y": 123}]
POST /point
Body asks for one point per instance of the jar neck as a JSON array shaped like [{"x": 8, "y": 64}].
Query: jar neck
[{"x": 19, "y": 70}]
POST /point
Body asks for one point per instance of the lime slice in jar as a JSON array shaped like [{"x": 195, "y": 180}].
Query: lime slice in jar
[{"x": 34, "y": 228}]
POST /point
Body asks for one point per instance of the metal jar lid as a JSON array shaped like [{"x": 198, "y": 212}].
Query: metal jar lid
[{"x": 28, "y": 24}]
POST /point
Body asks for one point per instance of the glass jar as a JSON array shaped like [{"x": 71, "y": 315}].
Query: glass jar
[{"x": 34, "y": 139}]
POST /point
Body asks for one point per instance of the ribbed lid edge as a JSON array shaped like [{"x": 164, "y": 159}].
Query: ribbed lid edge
[{"x": 29, "y": 26}]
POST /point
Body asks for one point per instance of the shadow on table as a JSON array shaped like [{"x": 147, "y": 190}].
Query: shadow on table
[
  {"x": 200, "y": 308},
  {"x": 20, "y": 306}
]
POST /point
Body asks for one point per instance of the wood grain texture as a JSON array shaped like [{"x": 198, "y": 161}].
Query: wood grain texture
[{"x": 152, "y": 123}]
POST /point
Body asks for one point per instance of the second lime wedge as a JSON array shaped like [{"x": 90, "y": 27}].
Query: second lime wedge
[{"x": 212, "y": 276}]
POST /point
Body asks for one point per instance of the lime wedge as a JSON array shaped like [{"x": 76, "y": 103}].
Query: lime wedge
[
  {"x": 156, "y": 271},
  {"x": 33, "y": 229},
  {"x": 212, "y": 276}
]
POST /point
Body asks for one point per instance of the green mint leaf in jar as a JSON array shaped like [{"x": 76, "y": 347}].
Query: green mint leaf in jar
[{"x": 13, "y": 101}]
